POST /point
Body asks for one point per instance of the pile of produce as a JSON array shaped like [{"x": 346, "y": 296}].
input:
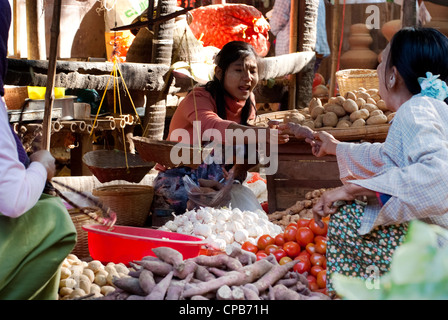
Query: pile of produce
[
  {"x": 304, "y": 242},
  {"x": 302, "y": 209},
  {"x": 80, "y": 278},
  {"x": 221, "y": 227},
  {"x": 237, "y": 276},
  {"x": 215, "y": 25},
  {"x": 355, "y": 109}
]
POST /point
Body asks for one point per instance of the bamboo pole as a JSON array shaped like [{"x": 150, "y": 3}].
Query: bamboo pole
[
  {"x": 35, "y": 26},
  {"x": 334, "y": 49},
  {"x": 49, "y": 94},
  {"x": 294, "y": 12}
]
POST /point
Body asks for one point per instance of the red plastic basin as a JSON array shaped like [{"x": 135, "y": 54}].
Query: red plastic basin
[{"x": 125, "y": 244}]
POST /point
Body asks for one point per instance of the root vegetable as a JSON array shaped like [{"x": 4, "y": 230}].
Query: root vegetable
[
  {"x": 217, "y": 272},
  {"x": 250, "y": 294},
  {"x": 224, "y": 293},
  {"x": 280, "y": 292},
  {"x": 95, "y": 265},
  {"x": 199, "y": 297},
  {"x": 160, "y": 268},
  {"x": 275, "y": 274},
  {"x": 220, "y": 260},
  {"x": 89, "y": 274},
  {"x": 159, "y": 291},
  {"x": 146, "y": 281},
  {"x": 69, "y": 283},
  {"x": 247, "y": 274},
  {"x": 245, "y": 257},
  {"x": 201, "y": 273},
  {"x": 65, "y": 291},
  {"x": 100, "y": 279},
  {"x": 237, "y": 293},
  {"x": 176, "y": 288},
  {"x": 129, "y": 284},
  {"x": 171, "y": 256},
  {"x": 65, "y": 273},
  {"x": 105, "y": 290},
  {"x": 189, "y": 267},
  {"x": 135, "y": 297}
]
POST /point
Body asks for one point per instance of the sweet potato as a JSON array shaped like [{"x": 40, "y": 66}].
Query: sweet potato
[
  {"x": 171, "y": 256},
  {"x": 201, "y": 273},
  {"x": 156, "y": 267},
  {"x": 129, "y": 284},
  {"x": 189, "y": 267},
  {"x": 280, "y": 292},
  {"x": 159, "y": 291},
  {"x": 220, "y": 261},
  {"x": 146, "y": 281},
  {"x": 174, "y": 291},
  {"x": 273, "y": 275},
  {"x": 245, "y": 257}
]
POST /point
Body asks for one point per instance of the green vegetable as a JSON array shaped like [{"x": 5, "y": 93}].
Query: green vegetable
[{"x": 418, "y": 271}]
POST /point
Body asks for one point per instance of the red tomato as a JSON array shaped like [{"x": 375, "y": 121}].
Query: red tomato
[
  {"x": 260, "y": 255},
  {"x": 292, "y": 249},
  {"x": 311, "y": 278},
  {"x": 302, "y": 266},
  {"x": 321, "y": 247},
  {"x": 290, "y": 233},
  {"x": 264, "y": 241},
  {"x": 284, "y": 260},
  {"x": 249, "y": 246},
  {"x": 310, "y": 248},
  {"x": 303, "y": 222},
  {"x": 320, "y": 239},
  {"x": 321, "y": 279},
  {"x": 304, "y": 235},
  {"x": 271, "y": 248},
  {"x": 313, "y": 286},
  {"x": 280, "y": 239},
  {"x": 317, "y": 259},
  {"x": 317, "y": 230},
  {"x": 305, "y": 253},
  {"x": 315, "y": 270},
  {"x": 292, "y": 224},
  {"x": 279, "y": 253},
  {"x": 265, "y": 206}
]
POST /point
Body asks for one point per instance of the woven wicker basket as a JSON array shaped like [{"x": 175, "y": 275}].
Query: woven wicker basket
[
  {"x": 81, "y": 249},
  {"x": 109, "y": 165},
  {"x": 353, "y": 79},
  {"x": 131, "y": 203},
  {"x": 159, "y": 151},
  {"x": 15, "y": 96}
]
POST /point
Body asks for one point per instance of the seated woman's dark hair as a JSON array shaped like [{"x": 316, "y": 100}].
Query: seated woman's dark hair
[
  {"x": 415, "y": 51},
  {"x": 230, "y": 53}
]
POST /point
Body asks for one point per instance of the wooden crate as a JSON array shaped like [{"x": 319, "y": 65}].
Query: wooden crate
[{"x": 299, "y": 171}]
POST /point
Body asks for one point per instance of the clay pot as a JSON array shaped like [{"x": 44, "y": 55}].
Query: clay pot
[
  {"x": 390, "y": 28},
  {"x": 359, "y": 56}
]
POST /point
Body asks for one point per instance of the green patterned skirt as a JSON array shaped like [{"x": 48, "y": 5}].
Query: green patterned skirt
[{"x": 355, "y": 255}]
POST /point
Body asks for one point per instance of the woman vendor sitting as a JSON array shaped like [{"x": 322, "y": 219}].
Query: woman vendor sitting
[{"x": 225, "y": 103}]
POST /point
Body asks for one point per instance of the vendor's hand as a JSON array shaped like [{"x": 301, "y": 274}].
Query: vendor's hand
[
  {"x": 47, "y": 160},
  {"x": 278, "y": 136},
  {"x": 296, "y": 130},
  {"x": 323, "y": 144},
  {"x": 326, "y": 203}
]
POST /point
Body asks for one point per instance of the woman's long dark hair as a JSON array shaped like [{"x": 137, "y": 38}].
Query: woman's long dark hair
[
  {"x": 415, "y": 51},
  {"x": 230, "y": 53}
]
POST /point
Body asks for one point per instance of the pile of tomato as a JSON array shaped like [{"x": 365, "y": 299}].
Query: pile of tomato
[{"x": 304, "y": 240}]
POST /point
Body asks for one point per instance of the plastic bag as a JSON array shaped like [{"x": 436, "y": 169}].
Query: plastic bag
[
  {"x": 243, "y": 198},
  {"x": 122, "y": 12},
  {"x": 214, "y": 195}
]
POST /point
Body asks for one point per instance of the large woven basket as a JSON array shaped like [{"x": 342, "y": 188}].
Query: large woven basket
[
  {"x": 109, "y": 165},
  {"x": 131, "y": 203},
  {"x": 159, "y": 151},
  {"x": 353, "y": 79},
  {"x": 81, "y": 249}
]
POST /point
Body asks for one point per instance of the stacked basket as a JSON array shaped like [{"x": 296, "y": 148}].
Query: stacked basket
[{"x": 353, "y": 79}]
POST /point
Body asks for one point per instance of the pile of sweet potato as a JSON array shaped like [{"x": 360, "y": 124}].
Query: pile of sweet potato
[{"x": 236, "y": 275}]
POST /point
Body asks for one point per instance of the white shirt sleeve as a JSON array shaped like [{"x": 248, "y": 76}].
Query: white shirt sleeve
[{"x": 20, "y": 187}]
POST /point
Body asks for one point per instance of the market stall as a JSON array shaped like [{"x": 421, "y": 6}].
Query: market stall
[{"x": 276, "y": 251}]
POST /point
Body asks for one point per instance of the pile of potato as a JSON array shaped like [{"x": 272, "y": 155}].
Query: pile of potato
[
  {"x": 302, "y": 209},
  {"x": 80, "y": 278},
  {"x": 354, "y": 109}
]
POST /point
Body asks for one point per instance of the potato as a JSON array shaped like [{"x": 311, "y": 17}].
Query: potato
[
  {"x": 89, "y": 273},
  {"x": 371, "y": 101},
  {"x": 65, "y": 272},
  {"x": 68, "y": 283},
  {"x": 121, "y": 268},
  {"x": 376, "y": 113},
  {"x": 350, "y": 95},
  {"x": 330, "y": 119},
  {"x": 360, "y": 102},
  {"x": 333, "y": 100},
  {"x": 85, "y": 285},
  {"x": 105, "y": 290},
  {"x": 381, "y": 105},
  {"x": 100, "y": 279},
  {"x": 95, "y": 265},
  {"x": 94, "y": 288},
  {"x": 376, "y": 97},
  {"x": 77, "y": 293},
  {"x": 339, "y": 100},
  {"x": 361, "y": 113},
  {"x": 372, "y": 92},
  {"x": 318, "y": 121},
  {"x": 370, "y": 107},
  {"x": 379, "y": 119},
  {"x": 343, "y": 124},
  {"x": 313, "y": 103},
  {"x": 390, "y": 116},
  {"x": 359, "y": 123},
  {"x": 309, "y": 124},
  {"x": 65, "y": 291},
  {"x": 336, "y": 108},
  {"x": 350, "y": 105},
  {"x": 317, "y": 110},
  {"x": 296, "y": 118},
  {"x": 363, "y": 95}
]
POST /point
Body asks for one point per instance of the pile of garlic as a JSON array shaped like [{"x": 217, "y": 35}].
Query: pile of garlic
[{"x": 221, "y": 227}]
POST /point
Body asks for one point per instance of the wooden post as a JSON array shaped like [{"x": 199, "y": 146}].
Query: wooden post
[
  {"x": 35, "y": 25},
  {"x": 409, "y": 13},
  {"x": 49, "y": 95},
  {"x": 334, "y": 47},
  {"x": 293, "y": 48}
]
